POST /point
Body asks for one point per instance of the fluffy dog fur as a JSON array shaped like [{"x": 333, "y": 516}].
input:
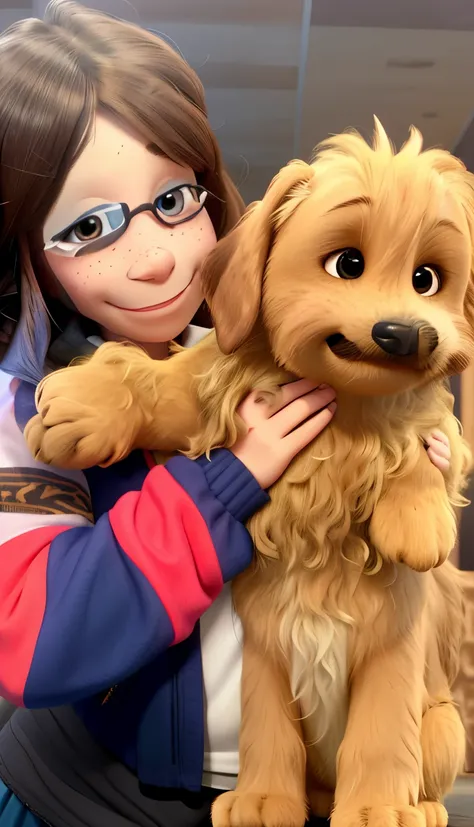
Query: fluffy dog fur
[{"x": 352, "y": 616}]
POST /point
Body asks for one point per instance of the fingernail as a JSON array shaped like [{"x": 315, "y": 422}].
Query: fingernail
[
  {"x": 323, "y": 387},
  {"x": 332, "y": 406}
]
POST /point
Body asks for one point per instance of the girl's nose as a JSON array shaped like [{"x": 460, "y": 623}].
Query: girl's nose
[{"x": 155, "y": 265}]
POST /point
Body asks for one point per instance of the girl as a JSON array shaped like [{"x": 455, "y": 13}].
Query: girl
[{"x": 116, "y": 628}]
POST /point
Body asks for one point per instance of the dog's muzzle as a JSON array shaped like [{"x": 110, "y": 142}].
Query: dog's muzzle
[{"x": 400, "y": 339}]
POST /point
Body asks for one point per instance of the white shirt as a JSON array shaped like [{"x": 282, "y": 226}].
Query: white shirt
[{"x": 221, "y": 647}]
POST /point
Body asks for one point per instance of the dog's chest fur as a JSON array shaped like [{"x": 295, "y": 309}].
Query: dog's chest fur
[{"x": 323, "y": 692}]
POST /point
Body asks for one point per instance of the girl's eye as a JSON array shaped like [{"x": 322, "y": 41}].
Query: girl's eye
[
  {"x": 86, "y": 230},
  {"x": 91, "y": 232},
  {"x": 171, "y": 203},
  {"x": 182, "y": 201},
  {"x": 103, "y": 222}
]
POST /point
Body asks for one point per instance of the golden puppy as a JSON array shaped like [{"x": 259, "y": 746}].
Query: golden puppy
[{"x": 356, "y": 271}]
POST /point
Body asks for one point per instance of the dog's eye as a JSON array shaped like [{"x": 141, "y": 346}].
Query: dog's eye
[
  {"x": 346, "y": 264},
  {"x": 426, "y": 280}
]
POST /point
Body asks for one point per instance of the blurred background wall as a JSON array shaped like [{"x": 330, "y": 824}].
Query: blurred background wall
[{"x": 281, "y": 75}]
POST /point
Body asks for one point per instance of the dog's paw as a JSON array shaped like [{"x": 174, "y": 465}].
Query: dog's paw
[
  {"x": 83, "y": 420},
  {"x": 435, "y": 814},
  {"x": 240, "y": 809},
  {"x": 379, "y": 816},
  {"x": 419, "y": 531}
]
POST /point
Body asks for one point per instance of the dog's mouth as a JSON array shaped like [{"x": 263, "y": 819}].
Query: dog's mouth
[{"x": 343, "y": 348}]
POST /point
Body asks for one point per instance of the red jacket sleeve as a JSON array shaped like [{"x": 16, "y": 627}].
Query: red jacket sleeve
[{"x": 82, "y": 608}]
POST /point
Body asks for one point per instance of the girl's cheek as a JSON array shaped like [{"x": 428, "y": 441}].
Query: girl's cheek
[
  {"x": 78, "y": 275},
  {"x": 191, "y": 244},
  {"x": 205, "y": 235}
]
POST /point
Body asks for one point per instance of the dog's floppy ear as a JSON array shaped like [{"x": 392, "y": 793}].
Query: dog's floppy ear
[{"x": 232, "y": 276}]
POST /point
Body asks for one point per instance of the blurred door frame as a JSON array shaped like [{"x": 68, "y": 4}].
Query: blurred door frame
[{"x": 464, "y": 557}]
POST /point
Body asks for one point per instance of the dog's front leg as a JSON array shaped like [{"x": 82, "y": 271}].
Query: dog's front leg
[
  {"x": 413, "y": 522},
  {"x": 379, "y": 772},
  {"x": 271, "y": 785},
  {"x": 97, "y": 412}
]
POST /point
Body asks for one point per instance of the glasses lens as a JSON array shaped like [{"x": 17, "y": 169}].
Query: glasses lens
[
  {"x": 180, "y": 203},
  {"x": 93, "y": 231}
]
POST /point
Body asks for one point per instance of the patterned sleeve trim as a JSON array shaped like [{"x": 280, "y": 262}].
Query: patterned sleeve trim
[{"x": 36, "y": 491}]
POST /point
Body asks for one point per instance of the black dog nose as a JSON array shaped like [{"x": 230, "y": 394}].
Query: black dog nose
[{"x": 404, "y": 339}]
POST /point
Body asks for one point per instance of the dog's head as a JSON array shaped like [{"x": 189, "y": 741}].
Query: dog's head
[{"x": 359, "y": 266}]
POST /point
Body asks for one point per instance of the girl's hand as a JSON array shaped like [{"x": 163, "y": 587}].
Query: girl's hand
[
  {"x": 439, "y": 450},
  {"x": 280, "y": 429}
]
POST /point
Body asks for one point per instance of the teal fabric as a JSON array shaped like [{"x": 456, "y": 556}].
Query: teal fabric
[{"x": 13, "y": 813}]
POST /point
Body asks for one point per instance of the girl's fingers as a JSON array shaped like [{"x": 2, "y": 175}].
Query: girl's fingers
[
  {"x": 442, "y": 463},
  {"x": 302, "y": 436},
  {"x": 439, "y": 436},
  {"x": 442, "y": 449},
  {"x": 296, "y": 412},
  {"x": 257, "y": 407},
  {"x": 291, "y": 391},
  {"x": 254, "y": 409}
]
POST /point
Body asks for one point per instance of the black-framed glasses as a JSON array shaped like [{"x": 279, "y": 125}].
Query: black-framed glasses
[{"x": 101, "y": 226}]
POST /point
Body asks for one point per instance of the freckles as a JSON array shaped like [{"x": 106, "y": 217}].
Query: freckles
[{"x": 85, "y": 278}]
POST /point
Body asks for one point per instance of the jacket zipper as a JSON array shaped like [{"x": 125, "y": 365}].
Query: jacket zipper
[
  {"x": 108, "y": 695},
  {"x": 175, "y": 725}
]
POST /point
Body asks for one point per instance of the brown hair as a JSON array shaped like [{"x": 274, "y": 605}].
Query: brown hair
[{"x": 54, "y": 75}]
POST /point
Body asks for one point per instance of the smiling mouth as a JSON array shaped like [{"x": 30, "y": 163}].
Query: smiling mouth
[{"x": 156, "y": 306}]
